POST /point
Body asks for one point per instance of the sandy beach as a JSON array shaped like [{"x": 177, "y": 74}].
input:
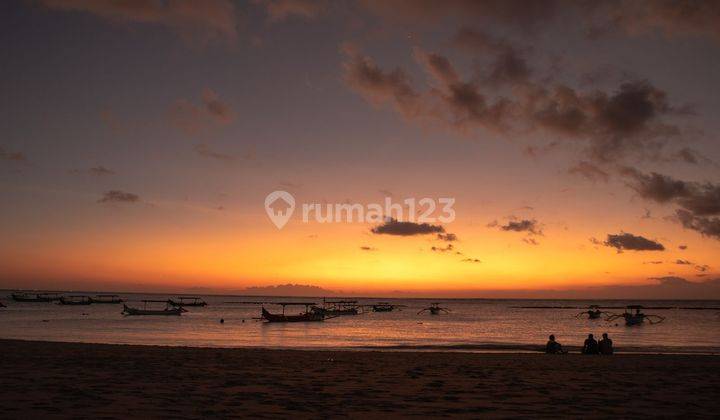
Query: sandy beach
[{"x": 95, "y": 380}]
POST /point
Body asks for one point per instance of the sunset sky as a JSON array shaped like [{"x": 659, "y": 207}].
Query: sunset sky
[{"x": 139, "y": 140}]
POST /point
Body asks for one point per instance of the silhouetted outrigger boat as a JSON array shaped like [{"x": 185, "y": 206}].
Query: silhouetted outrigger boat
[
  {"x": 434, "y": 309},
  {"x": 338, "y": 307},
  {"x": 107, "y": 299},
  {"x": 188, "y": 301},
  {"x": 75, "y": 300},
  {"x": 636, "y": 318},
  {"x": 310, "y": 314},
  {"x": 593, "y": 312},
  {"x": 385, "y": 307},
  {"x": 169, "y": 309},
  {"x": 35, "y": 297}
]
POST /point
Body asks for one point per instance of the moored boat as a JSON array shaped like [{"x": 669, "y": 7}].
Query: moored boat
[
  {"x": 168, "y": 310},
  {"x": 75, "y": 300},
  {"x": 34, "y": 297},
  {"x": 107, "y": 299},
  {"x": 188, "y": 301},
  {"x": 310, "y": 314}
]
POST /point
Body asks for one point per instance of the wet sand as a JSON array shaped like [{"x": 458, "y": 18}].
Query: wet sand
[{"x": 94, "y": 380}]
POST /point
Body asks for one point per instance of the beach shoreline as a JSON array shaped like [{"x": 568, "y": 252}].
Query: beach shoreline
[{"x": 109, "y": 380}]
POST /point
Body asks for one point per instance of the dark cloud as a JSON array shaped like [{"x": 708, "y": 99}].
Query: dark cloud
[
  {"x": 703, "y": 267},
  {"x": 193, "y": 20},
  {"x": 653, "y": 262},
  {"x": 117, "y": 196},
  {"x": 368, "y": 248},
  {"x": 589, "y": 171},
  {"x": 706, "y": 226},
  {"x": 394, "y": 227},
  {"x": 630, "y": 121},
  {"x": 699, "y": 202},
  {"x": 448, "y": 237},
  {"x": 471, "y": 260},
  {"x": 531, "y": 226},
  {"x": 380, "y": 87},
  {"x": 449, "y": 247},
  {"x": 682, "y": 247},
  {"x": 630, "y": 242},
  {"x": 12, "y": 156},
  {"x": 683, "y": 262}
]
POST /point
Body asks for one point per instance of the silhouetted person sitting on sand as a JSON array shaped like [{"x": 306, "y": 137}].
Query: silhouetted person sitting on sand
[
  {"x": 590, "y": 346},
  {"x": 605, "y": 345},
  {"x": 553, "y": 347}
]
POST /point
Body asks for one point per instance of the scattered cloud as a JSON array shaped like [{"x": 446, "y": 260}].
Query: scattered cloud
[
  {"x": 471, "y": 260},
  {"x": 448, "y": 237},
  {"x": 195, "y": 21},
  {"x": 683, "y": 262},
  {"x": 393, "y": 227},
  {"x": 368, "y": 248},
  {"x": 531, "y": 241},
  {"x": 531, "y": 226},
  {"x": 117, "y": 196},
  {"x": 682, "y": 247},
  {"x": 449, "y": 247},
  {"x": 630, "y": 242}
]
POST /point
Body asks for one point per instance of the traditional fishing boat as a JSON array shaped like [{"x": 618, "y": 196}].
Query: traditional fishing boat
[
  {"x": 383, "y": 307},
  {"x": 338, "y": 307},
  {"x": 637, "y": 317},
  {"x": 35, "y": 297},
  {"x": 107, "y": 299},
  {"x": 593, "y": 312},
  {"x": 434, "y": 309},
  {"x": 75, "y": 300},
  {"x": 168, "y": 310},
  {"x": 188, "y": 301},
  {"x": 310, "y": 314}
]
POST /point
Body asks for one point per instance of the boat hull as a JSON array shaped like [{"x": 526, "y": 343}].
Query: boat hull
[
  {"x": 306, "y": 317},
  {"x": 161, "y": 312}
]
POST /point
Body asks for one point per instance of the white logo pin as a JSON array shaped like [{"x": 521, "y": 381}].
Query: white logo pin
[{"x": 279, "y": 206}]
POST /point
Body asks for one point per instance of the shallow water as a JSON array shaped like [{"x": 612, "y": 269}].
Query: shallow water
[{"x": 472, "y": 325}]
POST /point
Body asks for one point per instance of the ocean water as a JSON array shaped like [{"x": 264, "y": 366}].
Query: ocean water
[{"x": 471, "y": 325}]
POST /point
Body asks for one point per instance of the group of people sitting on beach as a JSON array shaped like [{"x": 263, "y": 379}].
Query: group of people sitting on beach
[{"x": 591, "y": 346}]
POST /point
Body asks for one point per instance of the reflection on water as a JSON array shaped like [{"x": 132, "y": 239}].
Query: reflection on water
[{"x": 471, "y": 324}]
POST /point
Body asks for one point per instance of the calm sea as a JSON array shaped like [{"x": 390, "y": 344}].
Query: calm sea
[{"x": 472, "y": 325}]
